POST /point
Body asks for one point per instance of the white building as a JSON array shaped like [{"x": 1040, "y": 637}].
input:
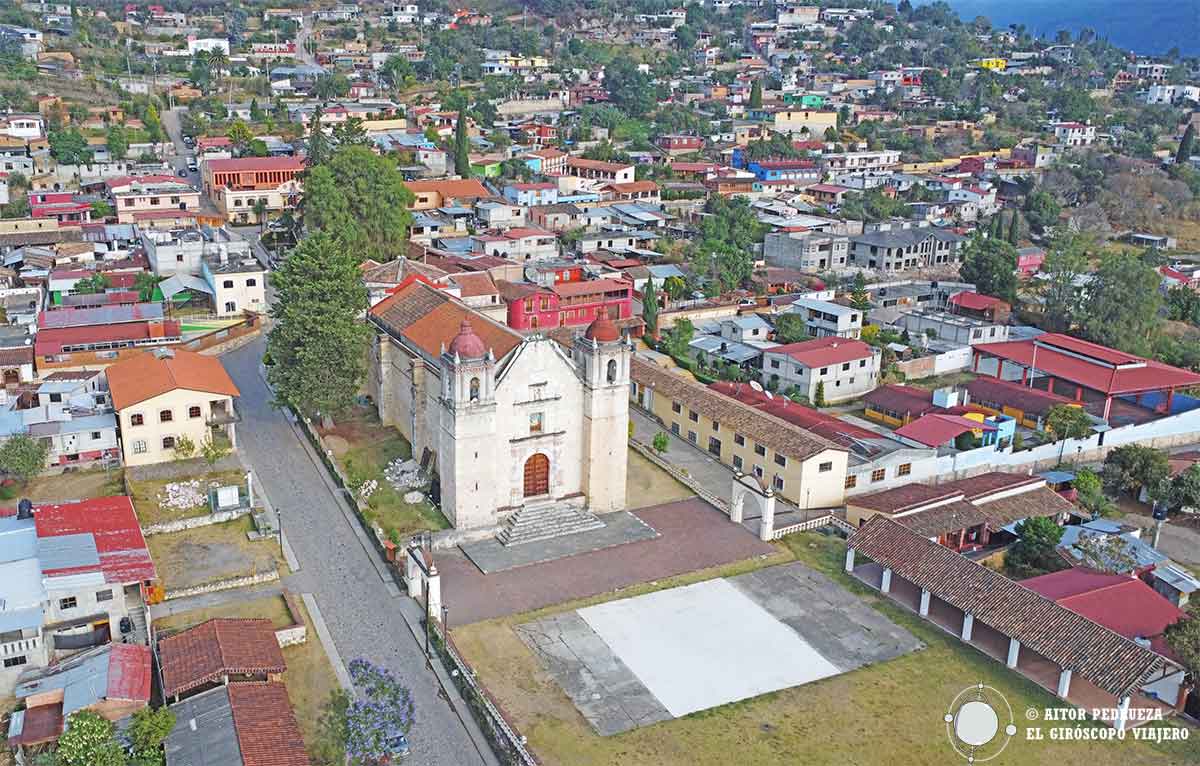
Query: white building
[
  {"x": 507, "y": 422},
  {"x": 207, "y": 44},
  {"x": 1074, "y": 133},
  {"x": 841, "y": 368},
  {"x": 826, "y": 318}
]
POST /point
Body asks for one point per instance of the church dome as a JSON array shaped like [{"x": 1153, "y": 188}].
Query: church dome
[
  {"x": 602, "y": 330},
  {"x": 467, "y": 345}
]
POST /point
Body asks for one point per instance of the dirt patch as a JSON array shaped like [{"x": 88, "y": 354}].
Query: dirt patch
[
  {"x": 206, "y": 554},
  {"x": 73, "y": 485},
  {"x": 647, "y": 484},
  {"x": 336, "y": 444}
]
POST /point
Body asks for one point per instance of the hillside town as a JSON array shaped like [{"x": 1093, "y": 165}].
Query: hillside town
[{"x": 847, "y": 358}]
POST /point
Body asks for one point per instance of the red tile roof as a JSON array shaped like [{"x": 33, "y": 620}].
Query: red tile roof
[
  {"x": 137, "y": 378},
  {"x": 611, "y": 167},
  {"x": 453, "y": 189},
  {"x": 591, "y": 287},
  {"x": 838, "y": 431},
  {"x": 901, "y": 399},
  {"x": 266, "y": 727},
  {"x": 991, "y": 391},
  {"x": 1120, "y": 603},
  {"x": 1100, "y": 655},
  {"x": 822, "y": 352},
  {"x": 1087, "y": 364},
  {"x": 113, "y": 524},
  {"x": 429, "y": 319},
  {"x": 221, "y": 646}
]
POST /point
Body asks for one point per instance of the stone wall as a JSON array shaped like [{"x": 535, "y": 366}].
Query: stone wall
[
  {"x": 297, "y": 632},
  {"x": 179, "y": 525},
  {"x": 229, "y": 583}
]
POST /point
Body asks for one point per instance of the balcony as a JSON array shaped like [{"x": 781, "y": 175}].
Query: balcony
[{"x": 222, "y": 414}]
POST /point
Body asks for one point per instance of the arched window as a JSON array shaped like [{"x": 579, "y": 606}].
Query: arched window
[
  {"x": 474, "y": 389},
  {"x": 612, "y": 370}
]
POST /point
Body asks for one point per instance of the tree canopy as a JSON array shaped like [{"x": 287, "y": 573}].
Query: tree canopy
[
  {"x": 991, "y": 265},
  {"x": 360, "y": 198},
  {"x": 318, "y": 343},
  {"x": 1122, "y": 306},
  {"x": 1036, "y": 550}
]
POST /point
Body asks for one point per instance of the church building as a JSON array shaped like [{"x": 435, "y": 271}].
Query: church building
[{"x": 506, "y": 421}]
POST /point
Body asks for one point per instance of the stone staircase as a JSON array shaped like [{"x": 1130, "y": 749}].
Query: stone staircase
[
  {"x": 544, "y": 521},
  {"x": 140, "y": 634}
]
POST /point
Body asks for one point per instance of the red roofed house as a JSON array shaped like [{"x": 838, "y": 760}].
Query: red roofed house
[
  {"x": 217, "y": 653},
  {"x": 841, "y": 368},
  {"x": 1088, "y": 373},
  {"x": 613, "y": 172},
  {"x": 896, "y": 405},
  {"x": 565, "y": 304},
  {"x": 978, "y": 306},
  {"x": 112, "y": 680},
  {"x": 1124, "y": 605},
  {"x": 235, "y": 186},
  {"x": 74, "y": 578}
]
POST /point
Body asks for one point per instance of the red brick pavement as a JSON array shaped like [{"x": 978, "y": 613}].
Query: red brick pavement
[{"x": 692, "y": 535}]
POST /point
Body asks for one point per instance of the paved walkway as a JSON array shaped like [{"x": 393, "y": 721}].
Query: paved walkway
[
  {"x": 363, "y": 612},
  {"x": 693, "y": 535}
]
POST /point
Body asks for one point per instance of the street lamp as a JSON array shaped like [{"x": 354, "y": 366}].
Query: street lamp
[{"x": 279, "y": 526}]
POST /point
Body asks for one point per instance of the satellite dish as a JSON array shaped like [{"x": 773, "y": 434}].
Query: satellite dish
[
  {"x": 756, "y": 386},
  {"x": 769, "y": 394},
  {"x": 531, "y": 274}
]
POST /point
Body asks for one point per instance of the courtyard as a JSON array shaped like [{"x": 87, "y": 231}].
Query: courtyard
[
  {"x": 211, "y": 553},
  {"x": 671, "y": 653}
]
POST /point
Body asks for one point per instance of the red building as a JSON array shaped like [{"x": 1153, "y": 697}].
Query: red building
[
  {"x": 61, "y": 206},
  {"x": 566, "y": 304},
  {"x": 680, "y": 144}
]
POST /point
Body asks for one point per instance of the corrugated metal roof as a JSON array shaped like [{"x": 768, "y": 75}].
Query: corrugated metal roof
[
  {"x": 21, "y": 619},
  {"x": 68, "y": 551},
  {"x": 18, "y": 539},
  {"x": 204, "y": 734}
]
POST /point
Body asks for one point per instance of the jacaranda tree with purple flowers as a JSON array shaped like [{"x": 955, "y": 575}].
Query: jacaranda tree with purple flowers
[{"x": 378, "y": 714}]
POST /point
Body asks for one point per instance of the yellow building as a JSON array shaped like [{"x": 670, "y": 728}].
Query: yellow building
[
  {"x": 805, "y": 469},
  {"x": 992, "y": 64},
  {"x": 804, "y": 122}
]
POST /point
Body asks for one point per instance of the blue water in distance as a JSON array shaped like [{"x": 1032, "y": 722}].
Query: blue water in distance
[{"x": 1144, "y": 26}]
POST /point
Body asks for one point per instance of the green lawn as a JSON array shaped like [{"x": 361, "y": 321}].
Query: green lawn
[
  {"x": 890, "y": 713},
  {"x": 362, "y": 448}
]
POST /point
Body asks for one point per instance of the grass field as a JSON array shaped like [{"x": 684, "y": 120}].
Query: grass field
[
  {"x": 73, "y": 485},
  {"x": 215, "y": 552},
  {"x": 889, "y": 713},
  {"x": 148, "y": 494},
  {"x": 363, "y": 448},
  {"x": 309, "y": 678},
  {"x": 648, "y": 485}
]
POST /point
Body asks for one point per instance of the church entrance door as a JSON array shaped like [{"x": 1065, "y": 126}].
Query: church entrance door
[{"x": 537, "y": 475}]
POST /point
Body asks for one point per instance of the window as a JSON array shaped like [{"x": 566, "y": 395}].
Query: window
[
  {"x": 56, "y": 397},
  {"x": 737, "y": 462},
  {"x": 759, "y": 449},
  {"x": 693, "y": 416},
  {"x": 67, "y": 603},
  {"x": 179, "y": 258},
  {"x": 675, "y": 428},
  {"x": 139, "y": 446},
  {"x": 168, "y": 442},
  {"x": 612, "y": 371},
  {"x": 676, "y": 407},
  {"x": 193, "y": 411},
  {"x": 845, "y": 366},
  {"x": 778, "y": 483},
  {"x": 12, "y": 662},
  {"x": 904, "y": 469},
  {"x": 692, "y": 436},
  {"x": 104, "y": 595},
  {"x": 878, "y": 474},
  {"x": 825, "y": 467},
  {"x": 165, "y": 416},
  {"x": 851, "y": 482},
  {"x": 862, "y": 363},
  {"x": 775, "y": 364},
  {"x": 95, "y": 436},
  {"x": 757, "y": 471},
  {"x": 714, "y": 446},
  {"x": 227, "y": 283},
  {"x": 136, "y": 419},
  {"x": 251, "y": 283},
  {"x": 780, "y": 460},
  {"x": 739, "y": 440},
  {"x": 536, "y": 420},
  {"x": 824, "y": 370}
]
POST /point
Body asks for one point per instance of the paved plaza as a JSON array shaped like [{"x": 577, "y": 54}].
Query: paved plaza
[
  {"x": 670, "y": 653},
  {"x": 619, "y": 528}
]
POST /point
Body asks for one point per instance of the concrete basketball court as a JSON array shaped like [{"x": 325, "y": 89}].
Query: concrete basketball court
[{"x": 664, "y": 655}]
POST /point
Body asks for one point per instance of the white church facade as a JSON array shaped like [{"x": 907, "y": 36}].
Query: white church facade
[{"x": 506, "y": 421}]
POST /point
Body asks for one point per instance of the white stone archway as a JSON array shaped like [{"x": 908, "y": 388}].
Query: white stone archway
[{"x": 749, "y": 489}]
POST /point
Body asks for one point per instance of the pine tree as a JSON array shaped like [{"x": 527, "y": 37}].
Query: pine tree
[
  {"x": 462, "y": 159},
  {"x": 650, "y": 307},
  {"x": 1014, "y": 229},
  {"x": 860, "y": 299},
  {"x": 1186, "y": 145},
  {"x": 996, "y": 227},
  {"x": 819, "y": 394},
  {"x": 318, "y": 142},
  {"x": 756, "y": 97}
]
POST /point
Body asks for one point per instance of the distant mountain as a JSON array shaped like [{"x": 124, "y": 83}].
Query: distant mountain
[{"x": 1144, "y": 26}]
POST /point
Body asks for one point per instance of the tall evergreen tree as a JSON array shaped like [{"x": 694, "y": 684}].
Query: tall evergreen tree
[
  {"x": 1014, "y": 229},
  {"x": 462, "y": 158},
  {"x": 1187, "y": 145},
  {"x": 756, "y": 96},
  {"x": 318, "y": 142},
  {"x": 650, "y": 307},
  {"x": 860, "y": 299},
  {"x": 318, "y": 344}
]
